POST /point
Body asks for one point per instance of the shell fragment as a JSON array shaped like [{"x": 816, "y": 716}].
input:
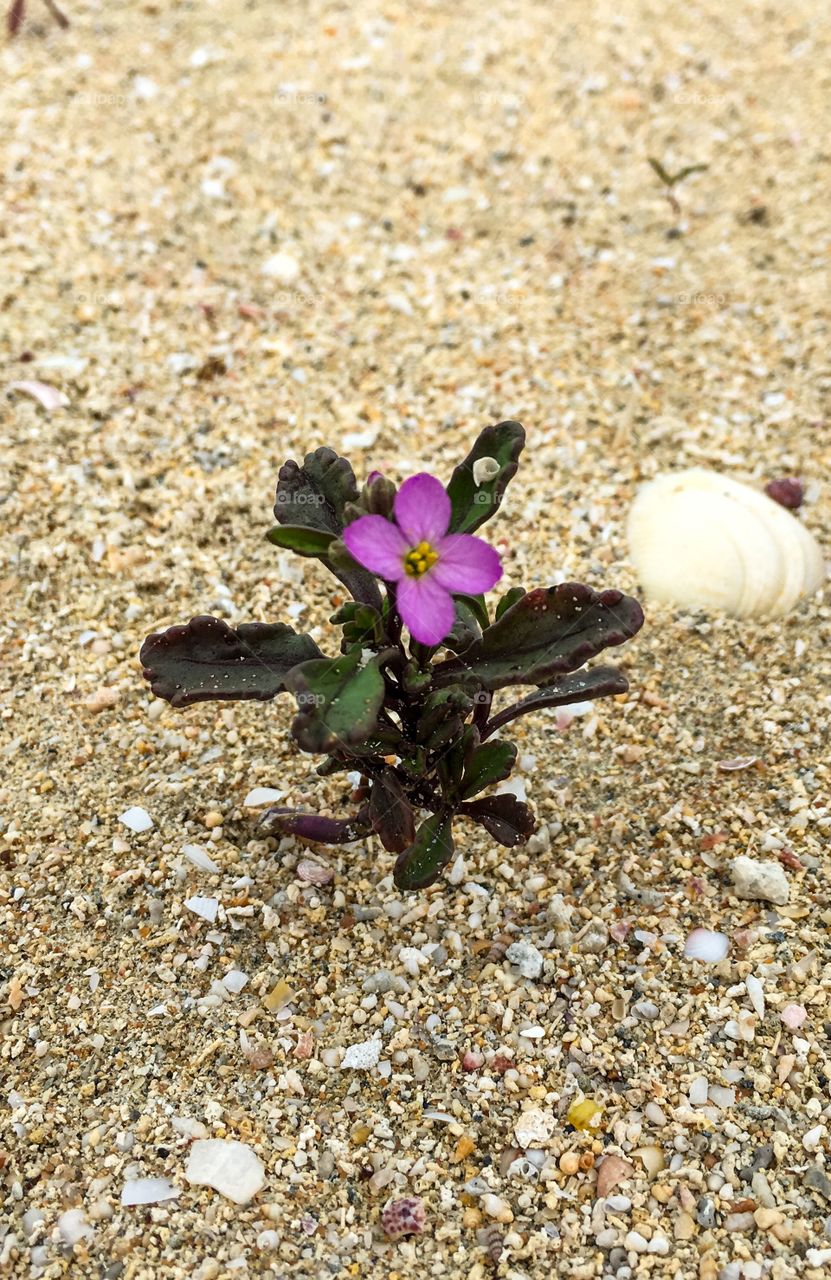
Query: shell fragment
[{"x": 704, "y": 540}]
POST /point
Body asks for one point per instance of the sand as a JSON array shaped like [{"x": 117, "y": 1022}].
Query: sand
[{"x": 231, "y": 233}]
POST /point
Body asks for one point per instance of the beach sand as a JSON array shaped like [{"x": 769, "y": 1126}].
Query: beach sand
[{"x": 232, "y": 233}]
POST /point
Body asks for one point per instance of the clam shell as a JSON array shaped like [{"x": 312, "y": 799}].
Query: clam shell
[{"x": 697, "y": 538}]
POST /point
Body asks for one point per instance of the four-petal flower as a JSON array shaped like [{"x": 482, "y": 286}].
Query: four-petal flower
[{"x": 426, "y": 563}]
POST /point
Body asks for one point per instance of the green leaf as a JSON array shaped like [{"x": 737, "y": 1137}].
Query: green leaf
[
  {"x": 339, "y": 700},
  {"x": 450, "y": 704},
  {"x": 361, "y": 623},
  {"x": 391, "y": 814},
  {"x": 466, "y": 628},
  {"x": 489, "y": 763},
  {"x": 509, "y": 598},
  {"x": 414, "y": 680},
  {"x": 477, "y": 606},
  {"x": 306, "y": 542},
  {"x": 474, "y": 504},
  {"x": 544, "y": 635},
  {"x": 507, "y": 819},
  {"x": 313, "y": 497},
  {"x": 206, "y": 660},
  {"x": 420, "y": 864},
  {"x": 451, "y": 764}
]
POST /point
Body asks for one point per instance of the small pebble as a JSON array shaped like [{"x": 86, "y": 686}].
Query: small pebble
[
  {"x": 527, "y": 959},
  {"x": 759, "y": 881},
  {"x": 136, "y": 819}
]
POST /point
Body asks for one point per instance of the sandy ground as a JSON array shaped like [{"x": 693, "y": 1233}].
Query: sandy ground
[{"x": 230, "y": 233}]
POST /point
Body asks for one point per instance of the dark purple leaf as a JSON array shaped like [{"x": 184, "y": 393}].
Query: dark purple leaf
[
  {"x": 315, "y": 827},
  {"x": 547, "y": 633},
  {"x": 14, "y": 18},
  {"x": 582, "y": 686},
  {"x": 432, "y": 849},
  {"x": 504, "y": 817},
  {"x": 391, "y": 814},
  {"x": 313, "y": 496},
  {"x": 206, "y": 660}
]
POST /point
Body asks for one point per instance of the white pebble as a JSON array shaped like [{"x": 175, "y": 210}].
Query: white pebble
[
  {"x": 757, "y": 994},
  {"x": 759, "y": 881},
  {"x": 73, "y": 1226},
  {"x": 230, "y": 1167},
  {"x": 412, "y": 960},
  {"x": 494, "y": 1206},
  {"x": 205, "y": 908},
  {"x": 813, "y": 1138},
  {"x": 698, "y": 1091},
  {"x": 362, "y": 1056},
  {"x": 706, "y": 945},
  {"x": 533, "y": 1128},
  {"x": 234, "y": 981},
  {"x": 634, "y": 1241},
  {"x": 527, "y": 958},
  {"x": 262, "y": 795},
  {"x": 136, "y": 819},
  {"x": 282, "y": 267},
  {"x": 148, "y": 1191}
]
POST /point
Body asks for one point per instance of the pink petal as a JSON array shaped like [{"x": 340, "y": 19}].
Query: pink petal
[
  {"x": 466, "y": 564},
  {"x": 422, "y": 509},
  {"x": 378, "y": 545},
  {"x": 426, "y": 608}
]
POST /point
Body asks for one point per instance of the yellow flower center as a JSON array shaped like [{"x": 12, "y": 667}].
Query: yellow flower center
[{"x": 419, "y": 560}]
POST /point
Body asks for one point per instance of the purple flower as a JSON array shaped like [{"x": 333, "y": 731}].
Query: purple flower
[{"x": 425, "y": 561}]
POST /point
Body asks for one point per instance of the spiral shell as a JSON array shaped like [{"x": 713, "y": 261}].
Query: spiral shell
[{"x": 700, "y": 539}]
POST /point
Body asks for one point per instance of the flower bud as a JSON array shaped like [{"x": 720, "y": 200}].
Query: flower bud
[{"x": 379, "y": 495}]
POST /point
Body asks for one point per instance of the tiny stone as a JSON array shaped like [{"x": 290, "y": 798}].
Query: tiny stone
[
  {"x": 496, "y": 1207},
  {"x": 362, "y": 1056},
  {"x": 527, "y": 959},
  {"x": 612, "y": 1170},
  {"x": 816, "y": 1180},
  {"x": 739, "y": 1222},
  {"x": 759, "y": 881},
  {"x": 136, "y": 819},
  {"x": 533, "y": 1128}
]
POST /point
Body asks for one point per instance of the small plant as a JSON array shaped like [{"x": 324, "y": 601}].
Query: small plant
[
  {"x": 416, "y": 720},
  {"x": 672, "y": 180}
]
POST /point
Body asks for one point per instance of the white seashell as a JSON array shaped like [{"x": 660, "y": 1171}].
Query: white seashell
[
  {"x": 484, "y": 469},
  {"x": 702, "y": 539}
]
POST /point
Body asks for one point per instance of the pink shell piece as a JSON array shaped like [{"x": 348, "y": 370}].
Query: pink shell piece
[
  {"x": 405, "y": 1217},
  {"x": 314, "y": 872},
  {"x": 793, "y": 1016}
]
